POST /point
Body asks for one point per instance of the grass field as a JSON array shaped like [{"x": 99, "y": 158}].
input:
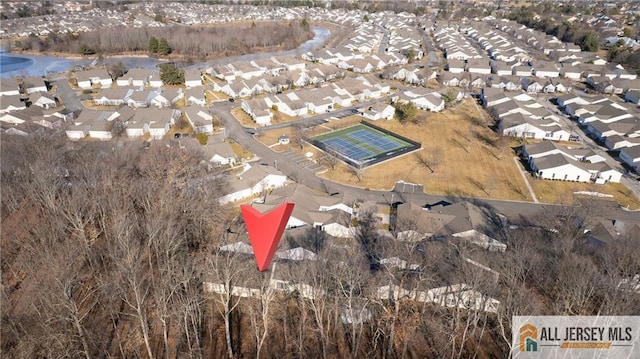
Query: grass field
[
  {"x": 361, "y": 142},
  {"x": 460, "y": 156}
]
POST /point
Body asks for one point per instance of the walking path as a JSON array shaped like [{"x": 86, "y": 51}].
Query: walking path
[{"x": 522, "y": 173}]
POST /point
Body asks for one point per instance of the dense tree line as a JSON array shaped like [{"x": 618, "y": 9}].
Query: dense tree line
[
  {"x": 193, "y": 41},
  {"x": 105, "y": 248},
  {"x": 565, "y": 31}
]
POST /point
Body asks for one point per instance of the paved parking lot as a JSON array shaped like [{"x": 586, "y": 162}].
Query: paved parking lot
[{"x": 301, "y": 161}]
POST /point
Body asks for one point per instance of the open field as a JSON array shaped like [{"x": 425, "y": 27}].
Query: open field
[{"x": 460, "y": 156}]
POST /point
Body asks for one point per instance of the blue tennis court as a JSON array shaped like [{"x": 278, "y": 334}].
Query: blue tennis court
[
  {"x": 364, "y": 144},
  {"x": 340, "y": 145},
  {"x": 382, "y": 144}
]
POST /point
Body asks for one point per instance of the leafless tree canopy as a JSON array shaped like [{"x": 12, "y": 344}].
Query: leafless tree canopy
[
  {"x": 194, "y": 41},
  {"x": 106, "y": 246}
]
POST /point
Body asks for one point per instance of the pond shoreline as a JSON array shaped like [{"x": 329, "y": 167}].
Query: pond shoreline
[{"x": 46, "y": 63}]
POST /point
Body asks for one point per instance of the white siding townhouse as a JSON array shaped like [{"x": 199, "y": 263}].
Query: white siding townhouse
[
  {"x": 631, "y": 156},
  {"x": 135, "y": 78},
  {"x": 517, "y": 125},
  {"x": 44, "y": 101},
  {"x": 156, "y": 122},
  {"x": 199, "y": 119},
  {"x": 217, "y": 151},
  {"x": 253, "y": 181},
  {"x": 549, "y": 157},
  {"x": 86, "y": 79},
  {"x": 9, "y": 87},
  {"x": 12, "y": 103},
  {"x": 424, "y": 99},
  {"x": 192, "y": 78},
  {"x": 259, "y": 111},
  {"x": 33, "y": 84},
  {"x": 309, "y": 210},
  {"x": 559, "y": 167},
  {"x": 379, "y": 111}
]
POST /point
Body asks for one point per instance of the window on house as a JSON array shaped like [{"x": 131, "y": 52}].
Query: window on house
[
  {"x": 578, "y": 178},
  {"x": 565, "y": 177},
  {"x": 553, "y": 176}
]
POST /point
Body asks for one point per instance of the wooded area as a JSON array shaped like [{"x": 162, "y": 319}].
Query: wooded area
[
  {"x": 198, "y": 42},
  {"x": 105, "y": 249}
]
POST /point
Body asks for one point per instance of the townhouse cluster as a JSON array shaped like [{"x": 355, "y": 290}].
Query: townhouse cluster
[
  {"x": 566, "y": 61},
  {"x": 139, "y": 88},
  {"x": 319, "y": 86},
  {"x": 519, "y": 114},
  {"x": 27, "y": 107},
  {"x": 145, "y": 107},
  {"x": 321, "y": 99},
  {"x": 522, "y": 58},
  {"x": 552, "y": 161},
  {"x": 612, "y": 123},
  {"x": 403, "y": 36},
  {"x": 73, "y": 22}
]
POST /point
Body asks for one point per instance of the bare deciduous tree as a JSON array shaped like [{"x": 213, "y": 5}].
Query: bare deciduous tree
[{"x": 430, "y": 160}]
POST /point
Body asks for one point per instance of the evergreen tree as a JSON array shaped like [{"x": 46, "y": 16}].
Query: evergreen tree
[
  {"x": 589, "y": 42},
  {"x": 163, "y": 47},
  {"x": 153, "y": 45},
  {"x": 170, "y": 74}
]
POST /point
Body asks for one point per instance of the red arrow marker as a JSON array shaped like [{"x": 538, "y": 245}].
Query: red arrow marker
[{"x": 265, "y": 231}]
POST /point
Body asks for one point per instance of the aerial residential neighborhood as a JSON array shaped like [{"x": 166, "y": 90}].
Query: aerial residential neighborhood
[{"x": 438, "y": 153}]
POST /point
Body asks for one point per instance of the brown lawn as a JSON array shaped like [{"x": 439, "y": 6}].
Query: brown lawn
[
  {"x": 279, "y": 117},
  {"x": 240, "y": 151},
  {"x": 215, "y": 96},
  {"x": 270, "y": 137},
  {"x": 182, "y": 128},
  {"x": 242, "y": 117},
  {"x": 563, "y": 192},
  {"x": 466, "y": 158},
  {"x": 90, "y": 105}
]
